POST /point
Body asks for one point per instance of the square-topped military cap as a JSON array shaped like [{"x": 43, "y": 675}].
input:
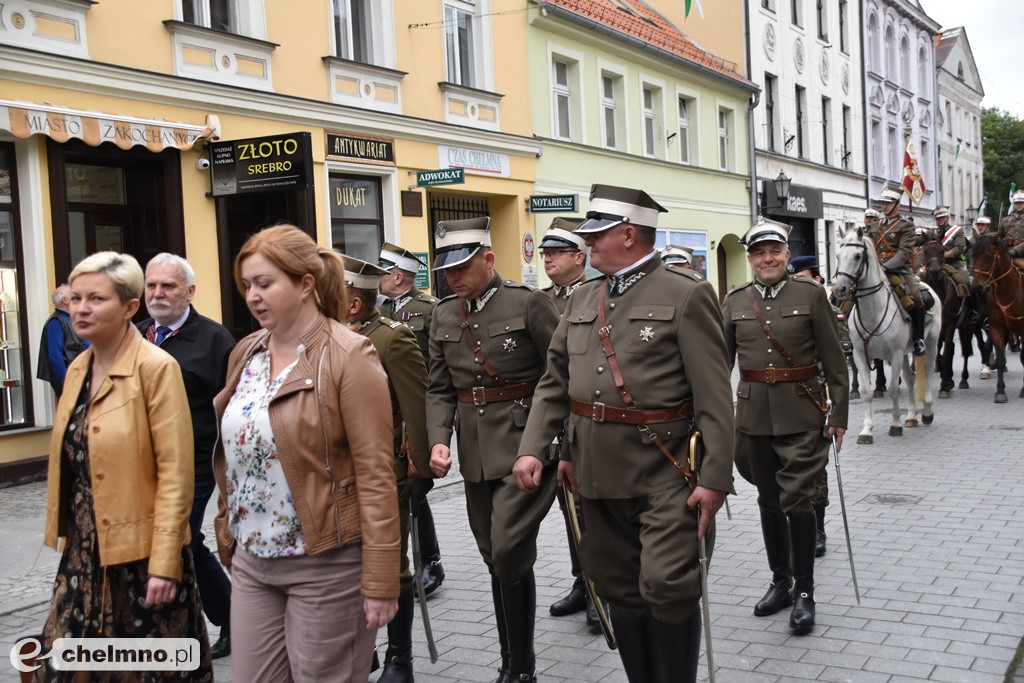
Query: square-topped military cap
[
  {"x": 560, "y": 235},
  {"x": 870, "y": 213},
  {"x": 362, "y": 274},
  {"x": 673, "y": 253},
  {"x": 456, "y": 242},
  {"x": 892, "y": 192},
  {"x": 611, "y": 206},
  {"x": 1018, "y": 197},
  {"x": 766, "y": 231},
  {"x": 940, "y": 212},
  {"x": 394, "y": 256},
  {"x": 983, "y": 220}
]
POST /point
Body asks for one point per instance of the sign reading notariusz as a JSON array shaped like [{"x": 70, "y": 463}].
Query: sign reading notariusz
[
  {"x": 440, "y": 176},
  {"x": 553, "y": 203}
]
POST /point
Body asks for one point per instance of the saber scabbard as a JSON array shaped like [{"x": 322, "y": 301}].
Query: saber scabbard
[
  {"x": 417, "y": 579},
  {"x": 599, "y": 605},
  {"x": 695, "y": 446},
  {"x": 842, "y": 497}
]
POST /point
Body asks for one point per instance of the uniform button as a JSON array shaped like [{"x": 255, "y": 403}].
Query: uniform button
[
  {"x": 100, "y": 475},
  {"x": 476, "y": 326},
  {"x": 794, "y": 312},
  {"x": 597, "y": 393},
  {"x": 479, "y": 378},
  {"x": 600, "y": 369},
  {"x": 106, "y": 522},
  {"x": 581, "y": 317},
  {"x": 769, "y": 350},
  {"x": 480, "y": 411},
  {"x": 446, "y": 336},
  {"x": 508, "y": 282},
  {"x": 309, "y": 381},
  {"x": 650, "y": 315},
  {"x": 506, "y": 328},
  {"x": 611, "y": 305},
  {"x": 767, "y": 308},
  {"x": 668, "y": 435},
  {"x": 476, "y": 360}
]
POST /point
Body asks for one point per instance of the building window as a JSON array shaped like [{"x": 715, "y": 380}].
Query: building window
[
  {"x": 877, "y": 159},
  {"x": 924, "y": 86},
  {"x": 353, "y": 30},
  {"x": 15, "y": 372},
  {"x": 844, "y": 21},
  {"x": 895, "y": 158},
  {"x": 768, "y": 5},
  {"x": 357, "y": 215},
  {"x": 769, "y": 109},
  {"x": 822, "y": 20},
  {"x": 215, "y": 14},
  {"x": 650, "y": 110},
  {"x": 890, "y": 53},
  {"x": 905, "y": 62},
  {"x": 847, "y": 151},
  {"x": 801, "y": 121},
  {"x": 872, "y": 44},
  {"x": 685, "y": 105},
  {"x": 696, "y": 240},
  {"x": 826, "y": 129},
  {"x": 724, "y": 143},
  {"x": 560, "y": 93},
  {"x": 797, "y": 14},
  {"x": 922, "y": 162},
  {"x": 459, "y": 43},
  {"x": 611, "y": 86}
]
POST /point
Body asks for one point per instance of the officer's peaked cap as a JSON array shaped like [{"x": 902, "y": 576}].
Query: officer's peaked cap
[
  {"x": 362, "y": 274},
  {"x": 1018, "y": 196},
  {"x": 456, "y": 242},
  {"x": 673, "y": 253},
  {"x": 941, "y": 211},
  {"x": 611, "y": 206},
  {"x": 892, "y": 192},
  {"x": 984, "y": 219},
  {"x": 560, "y": 235},
  {"x": 870, "y": 213},
  {"x": 766, "y": 231},
  {"x": 394, "y": 256}
]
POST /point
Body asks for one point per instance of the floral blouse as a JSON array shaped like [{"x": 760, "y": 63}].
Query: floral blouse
[{"x": 261, "y": 511}]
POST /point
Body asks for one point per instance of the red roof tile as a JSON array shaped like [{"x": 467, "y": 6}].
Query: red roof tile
[{"x": 647, "y": 25}]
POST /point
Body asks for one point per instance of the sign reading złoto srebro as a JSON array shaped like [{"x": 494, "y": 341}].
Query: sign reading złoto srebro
[
  {"x": 441, "y": 176},
  {"x": 278, "y": 162}
]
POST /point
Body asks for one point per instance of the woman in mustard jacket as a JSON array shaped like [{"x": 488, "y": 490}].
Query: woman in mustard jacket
[{"x": 120, "y": 480}]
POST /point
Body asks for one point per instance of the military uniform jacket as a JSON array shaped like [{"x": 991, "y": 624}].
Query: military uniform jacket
[
  {"x": 954, "y": 239},
  {"x": 802, "y": 319},
  {"x": 666, "y": 330},
  {"x": 560, "y": 293},
  {"x": 894, "y": 241},
  {"x": 414, "y": 309},
  {"x": 514, "y": 330},
  {"x": 407, "y": 380},
  {"x": 1012, "y": 228}
]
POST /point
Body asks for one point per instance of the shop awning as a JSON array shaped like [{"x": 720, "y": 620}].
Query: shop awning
[{"x": 23, "y": 119}]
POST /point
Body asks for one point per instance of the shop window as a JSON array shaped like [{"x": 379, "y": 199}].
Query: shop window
[
  {"x": 15, "y": 375},
  {"x": 357, "y": 215}
]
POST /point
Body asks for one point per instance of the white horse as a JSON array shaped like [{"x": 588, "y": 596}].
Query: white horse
[{"x": 878, "y": 330}]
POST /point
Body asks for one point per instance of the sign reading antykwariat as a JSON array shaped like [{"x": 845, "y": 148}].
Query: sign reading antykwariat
[
  {"x": 360, "y": 148},
  {"x": 270, "y": 164},
  {"x": 440, "y": 176}
]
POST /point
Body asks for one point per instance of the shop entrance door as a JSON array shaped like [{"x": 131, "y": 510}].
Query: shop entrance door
[
  {"x": 450, "y": 207},
  {"x": 238, "y": 217}
]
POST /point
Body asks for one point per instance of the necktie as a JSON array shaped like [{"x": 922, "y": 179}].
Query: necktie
[{"x": 161, "y": 334}]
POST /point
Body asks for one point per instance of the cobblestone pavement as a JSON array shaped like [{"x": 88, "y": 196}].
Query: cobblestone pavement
[{"x": 937, "y": 531}]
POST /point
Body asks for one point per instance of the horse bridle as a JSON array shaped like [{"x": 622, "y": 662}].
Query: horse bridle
[
  {"x": 855, "y": 278},
  {"x": 992, "y": 280}
]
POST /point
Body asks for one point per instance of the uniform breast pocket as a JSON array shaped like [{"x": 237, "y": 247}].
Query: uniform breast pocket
[
  {"x": 795, "y": 319},
  {"x": 647, "y": 323},
  {"x": 746, "y": 326},
  {"x": 581, "y": 331},
  {"x": 416, "y": 323},
  {"x": 449, "y": 338}
]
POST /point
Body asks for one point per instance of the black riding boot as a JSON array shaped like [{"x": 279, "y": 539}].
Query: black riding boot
[
  {"x": 430, "y": 553},
  {"x": 802, "y": 529},
  {"x": 676, "y": 649},
  {"x": 917, "y": 314},
  {"x": 398, "y": 660},
  {"x": 776, "y": 545},
  {"x": 633, "y": 636},
  {"x": 499, "y": 617},
  {"x": 520, "y": 601},
  {"x": 820, "y": 537}
]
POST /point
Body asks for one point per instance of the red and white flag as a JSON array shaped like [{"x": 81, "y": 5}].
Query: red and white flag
[{"x": 912, "y": 180}]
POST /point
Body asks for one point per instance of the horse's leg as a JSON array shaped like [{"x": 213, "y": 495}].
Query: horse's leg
[
  {"x": 895, "y": 428},
  {"x": 999, "y": 344},
  {"x": 910, "y": 379},
  {"x": 966, "y": 351},
  {"x": 854, "y": 384},
  {"x": 930, "y": 343},
  {"x": 863, "y": 366},
  {"x": 1021, "y": 394},
  {"x": 946, "y": 359},
  {"x": 879, "y": 378}
]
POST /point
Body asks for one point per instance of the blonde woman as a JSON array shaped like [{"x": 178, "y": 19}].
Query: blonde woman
[{"x": 120, "y": 478}]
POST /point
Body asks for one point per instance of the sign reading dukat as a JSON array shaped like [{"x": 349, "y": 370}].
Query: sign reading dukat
[{"x": 278, "y": 162}]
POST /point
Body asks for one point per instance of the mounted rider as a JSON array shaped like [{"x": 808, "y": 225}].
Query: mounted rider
[
  {"x": 954, "y": 240},
  {"x": 894, "y": 238},
  {"x": 1011, "y": 230}
]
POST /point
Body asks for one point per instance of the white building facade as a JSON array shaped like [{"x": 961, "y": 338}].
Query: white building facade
[
  {"x": 958, "y": 126},
  {"x": 900, "y": 88},
  {"x": 809, "y": 124}
]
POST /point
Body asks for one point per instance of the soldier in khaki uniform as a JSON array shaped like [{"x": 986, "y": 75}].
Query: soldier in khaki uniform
[
  {"x": 664, "y": 324},
  {"x": 1011, "y": 228},
  {"x": 954, "y": 240},
  {"x": 487, "y": 347},
  {"x": 407, "y": 381},
  {"x": 402, "y": 301},
  {"x": 780, "y": 444},
  {"x": 895, "y": 238},
  {"x": 680, "y": 257}
]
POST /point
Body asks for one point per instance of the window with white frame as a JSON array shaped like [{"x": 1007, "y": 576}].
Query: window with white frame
[
  {"x": 768, "y": 5},
  {"x": 216, "y": 14},
  {"x": 724, "y": 142},
  {"x": 460, "y": 43},
  {"x": 354, "y": 30},
  {"x": 877, "y": 145},
  {"x": 905, "y": 62},
  {"x": 890, "y": 53},
  {"x": 560, "y": 99},
  {"x": 650, "y": 107},
  {"x": 826, "y": 129},
  {"x": 895, "y": 159},
  {"x": 822, "y": 20},
  {"x": 801, "y": 122},
  {"x": 844, "y": 21},
  {"x": 924, "y": 80},
  {"x": 872, "y": 58},
  {"x": 847, "y": 150},
  {"x": 611, "y": 88},
  {"x": 685, "y": 105},
  {"x": 796, "y": 12},
  {"x": 694, "y": 239},
  {"x": 770, "y": 93}
]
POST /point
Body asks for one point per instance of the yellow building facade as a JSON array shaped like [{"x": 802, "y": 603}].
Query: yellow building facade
[{"x": 186, "y": 125}]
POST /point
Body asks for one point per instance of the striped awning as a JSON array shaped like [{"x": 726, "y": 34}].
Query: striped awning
[{"x": 23, "y": 119}]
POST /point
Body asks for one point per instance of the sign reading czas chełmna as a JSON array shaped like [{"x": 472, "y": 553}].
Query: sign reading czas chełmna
[
  {"x": 278, "y": 162},
  {"x": 360, "y": 148},
  {"x": 553, "y": 203},
  {"x": 441, "y": 176}
]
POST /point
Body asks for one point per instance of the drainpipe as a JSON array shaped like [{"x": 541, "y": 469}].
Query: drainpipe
[
  {"x": 752, "y": 102},
  {"x": 867, "y": 106}
]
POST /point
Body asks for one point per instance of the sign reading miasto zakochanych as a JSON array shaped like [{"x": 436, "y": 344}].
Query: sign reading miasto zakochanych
[
  {"x": 277, "y": 162},
  {"x": 440, "y": 176}
]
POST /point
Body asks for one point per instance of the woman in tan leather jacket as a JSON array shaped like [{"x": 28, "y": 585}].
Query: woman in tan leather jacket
[{"x": 308, "y": 515}]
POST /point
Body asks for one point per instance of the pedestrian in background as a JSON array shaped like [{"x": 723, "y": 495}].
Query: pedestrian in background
[
  {"x": 120, "y": 478},
  {"x": 201, "y": 347},
  {"x": 308, "y": 511},
  {"x": 59, "y": 344}
]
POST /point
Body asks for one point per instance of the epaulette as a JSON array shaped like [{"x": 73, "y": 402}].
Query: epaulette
[
  {"x": 450, "y": 296},
  {"x": 738, "y": 288},
  {"x": 687, "y": 272},
  {"x": 423, "y": 296},
  {"x": 513, "y": 283},
  {"x": 393, "y": 324},
  {"x": 804, "y": 279}
]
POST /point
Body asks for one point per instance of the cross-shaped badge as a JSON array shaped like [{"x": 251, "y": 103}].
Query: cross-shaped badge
[
  {"x": 510, "y": 345},
  {"x": 646, "y": 334}
]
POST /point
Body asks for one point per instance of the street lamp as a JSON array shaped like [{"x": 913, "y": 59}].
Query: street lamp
[
  {"x": 781, "y": 183},
  {"x": 972, "y": 213}
]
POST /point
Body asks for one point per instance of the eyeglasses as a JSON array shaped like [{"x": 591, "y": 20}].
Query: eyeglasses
[{"x": 552, "y": 253}]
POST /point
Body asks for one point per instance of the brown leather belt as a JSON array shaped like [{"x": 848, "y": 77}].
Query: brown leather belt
[
  {"x": 773, "y": 375},
  {"x": 481, "y": 396},
  {"x": 599, "y": 412},
  {"x": 887, "y": 254}
]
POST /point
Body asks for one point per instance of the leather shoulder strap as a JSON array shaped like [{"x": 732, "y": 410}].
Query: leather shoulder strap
[
  {"x": 474, "y": 346},
  {"x": 606, "y": 343},
  {"x": 752, "y": 298}
]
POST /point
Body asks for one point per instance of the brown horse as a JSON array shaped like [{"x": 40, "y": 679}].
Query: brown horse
[
  {"x": 955, "y": 314},
  {"x": 1004, "y": 285}
]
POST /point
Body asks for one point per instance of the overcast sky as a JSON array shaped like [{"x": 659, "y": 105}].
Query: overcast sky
[{"x": 994, "y": 31}]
